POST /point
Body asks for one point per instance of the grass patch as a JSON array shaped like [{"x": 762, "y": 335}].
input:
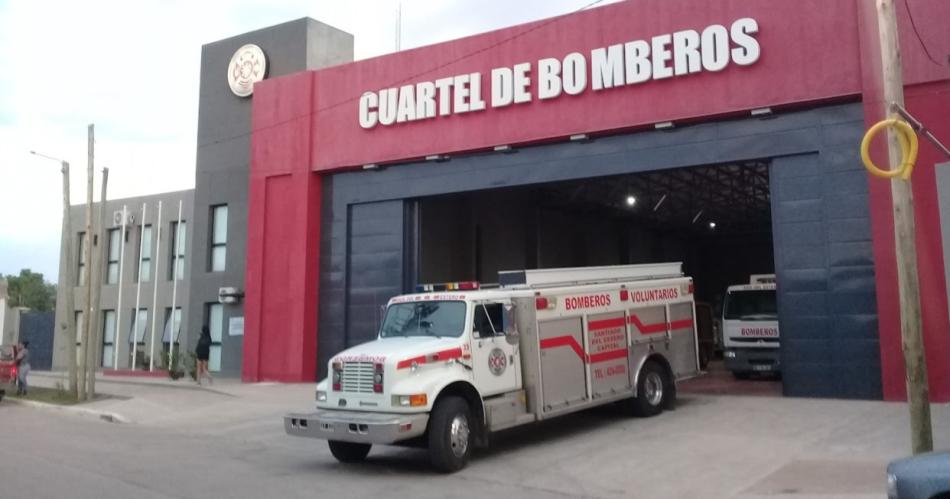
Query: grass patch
[{"x": 46, "y": 395}]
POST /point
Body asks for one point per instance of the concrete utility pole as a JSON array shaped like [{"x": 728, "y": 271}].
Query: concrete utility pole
[
  {"x": 67, "y": 281},
  {"x": 87, "y": 257},
  {"x": 912, "y": 342},
  {"x": 96, "y": 336}
]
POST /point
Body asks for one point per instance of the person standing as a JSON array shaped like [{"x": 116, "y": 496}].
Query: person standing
[
  {"x": 22, "y": 367},
  {"x": 202, "y": 352}
]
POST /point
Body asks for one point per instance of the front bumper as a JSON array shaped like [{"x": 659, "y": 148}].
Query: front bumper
[
  {"x": 746, "y": 360},
  {"x": 356, "y": 426}
]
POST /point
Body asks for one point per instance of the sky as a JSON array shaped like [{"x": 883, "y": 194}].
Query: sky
[{"x": 131, "y": 68}]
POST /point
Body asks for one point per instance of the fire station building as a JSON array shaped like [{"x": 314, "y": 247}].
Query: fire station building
[{"x": 721, "y": 134}]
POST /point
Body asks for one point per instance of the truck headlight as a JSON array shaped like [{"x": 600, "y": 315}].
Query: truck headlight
[
  {"x": 321, "y": 396},
  {"x": 417, "y": 400},
  {"x": 729, "y": 354},
  {"x": 891, "y": 486}
]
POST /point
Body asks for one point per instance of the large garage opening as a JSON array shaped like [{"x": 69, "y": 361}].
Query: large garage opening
[{"x": 716, "y": 219}]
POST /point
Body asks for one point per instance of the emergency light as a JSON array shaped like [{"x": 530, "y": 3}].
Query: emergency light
[{"x": 448, "y": 286}]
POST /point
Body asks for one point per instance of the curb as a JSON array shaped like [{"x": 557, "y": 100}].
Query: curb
[
  {"x": 110, "y": 417},
  {"x": 183, "y": 386}
]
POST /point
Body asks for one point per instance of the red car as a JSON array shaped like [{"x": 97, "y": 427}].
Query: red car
[{"x": 7, "y": 364}]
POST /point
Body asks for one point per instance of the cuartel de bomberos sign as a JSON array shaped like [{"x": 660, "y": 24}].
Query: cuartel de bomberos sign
[{"x": 638, "y": 61}]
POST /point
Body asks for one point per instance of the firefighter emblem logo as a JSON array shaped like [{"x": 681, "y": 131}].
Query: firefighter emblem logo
[
  {"x": 248, "y": 66},
  {"x": 497, "y": 362}
]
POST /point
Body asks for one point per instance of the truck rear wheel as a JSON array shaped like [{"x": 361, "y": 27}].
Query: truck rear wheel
[
  {"x": 450, "y": 435},
  {"x": 348, "y": 452},
  {"x": 653, "y": 391}
]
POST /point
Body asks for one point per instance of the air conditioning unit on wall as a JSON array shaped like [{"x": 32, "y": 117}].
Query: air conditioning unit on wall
[{"x": 117, "y": 218}]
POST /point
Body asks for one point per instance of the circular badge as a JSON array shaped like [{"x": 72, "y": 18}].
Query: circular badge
[
  {"x": 248, "y": 66},
  {"x": 497, "y": 362}
]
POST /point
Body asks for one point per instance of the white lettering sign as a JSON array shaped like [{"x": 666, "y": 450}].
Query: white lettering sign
[{"x": 663, "y": 56}]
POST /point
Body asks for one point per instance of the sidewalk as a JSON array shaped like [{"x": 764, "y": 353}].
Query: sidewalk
[{"x": 183, "y": 403}]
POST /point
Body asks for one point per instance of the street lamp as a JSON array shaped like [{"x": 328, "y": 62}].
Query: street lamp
[{"x": 65, "y": 277}]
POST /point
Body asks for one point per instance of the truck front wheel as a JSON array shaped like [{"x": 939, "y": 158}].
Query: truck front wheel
[
  {"x": 450, "y": 435},
  {"x": 348, "y": 452},
  {"x": 653, "y": 391}
]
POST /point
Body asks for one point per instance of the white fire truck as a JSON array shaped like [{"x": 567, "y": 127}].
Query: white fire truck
[
  {"x": 456, "y": 362},
  {"x": 750, "y": 327}
]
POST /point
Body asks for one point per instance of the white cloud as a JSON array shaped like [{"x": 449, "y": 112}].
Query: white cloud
[{"x": 132, "y": 69}]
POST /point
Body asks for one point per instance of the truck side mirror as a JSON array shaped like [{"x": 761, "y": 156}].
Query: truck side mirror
[{"x": 511, "y": 328}]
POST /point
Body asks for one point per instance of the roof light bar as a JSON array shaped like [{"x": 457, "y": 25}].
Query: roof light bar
[{"x": 448, "y": 286}]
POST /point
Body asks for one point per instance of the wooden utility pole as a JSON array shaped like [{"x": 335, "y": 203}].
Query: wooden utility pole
[
  {"x": 912, "y": 343},
  {"x": 90, "y": 272},
  {"x": 94, "y": 360},
  {"x": 67, "y": 281}
]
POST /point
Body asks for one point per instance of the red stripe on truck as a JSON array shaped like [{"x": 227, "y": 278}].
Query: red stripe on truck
[
  {"x": 620, "y": 353},
  {"x": 564, "y": 341},
  {"x": 646, "y": 328},
  {"x": 569, "y": 341},
  {"x": 452, "y": 353},
  {"x": 681, "y": 324}
]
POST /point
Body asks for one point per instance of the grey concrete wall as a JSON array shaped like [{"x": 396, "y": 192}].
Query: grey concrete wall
[
  {"x": 943, "y": 198},
  {"x": 816, "y": 181},
  {"x": 127, "y": 286},
  {"x": 224, "y": 138}
]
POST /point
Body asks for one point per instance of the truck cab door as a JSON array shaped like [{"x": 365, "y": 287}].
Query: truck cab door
[{"x": 495, "y": 360}]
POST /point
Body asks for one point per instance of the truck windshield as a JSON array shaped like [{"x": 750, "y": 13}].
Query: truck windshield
[
  {"x": 751, "y": 305},
  {"x": 429, "y": 318}
]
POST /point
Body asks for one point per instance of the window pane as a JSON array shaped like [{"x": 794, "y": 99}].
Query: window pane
[
  {"x": 145, "y": 271},
  {"x": 180, "y": 268},
  {"x": 139, "y": 325},
  {"x": 108, "y": 358},
  {"x": 168, "y": 324},
  {"x": 220, "y": 225},
  {"x": 114, "y": 245},
  {"x": 214, "y": 358},
  {"x": 216, "y": 321},
  {"x": 183, "y": 233},
  {"x": 218, "y": 256},
  {"x": 113, "y": 275},
  {"x": 108, "y": 327},
  {"x": 147, "y": 241}
]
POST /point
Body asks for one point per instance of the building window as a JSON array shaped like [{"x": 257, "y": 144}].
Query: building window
[
  {"x": 108, "y": 337},
  {"x": 219, "y": 237},
  {"x": 81, "y": 264},
  {"x": 144, "y": 272},
  {"x": 170, "y": 326},
  {"x": 176, "y": 260},
  {"x": 139, "y": 326},
  {"x": 215, "y": 315},
  {"x": 112, "y": 264}
]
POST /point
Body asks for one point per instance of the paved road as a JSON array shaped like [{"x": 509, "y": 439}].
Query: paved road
[{"x": 709, "y": 447}]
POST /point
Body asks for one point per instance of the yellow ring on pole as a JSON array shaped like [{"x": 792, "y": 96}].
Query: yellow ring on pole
[{"x": 908, "y": 141}]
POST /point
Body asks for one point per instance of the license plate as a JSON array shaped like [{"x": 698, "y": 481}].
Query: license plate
[{"x": 761, "y": 367}]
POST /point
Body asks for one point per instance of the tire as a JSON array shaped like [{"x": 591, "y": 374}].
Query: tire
[
  {"x": 654, "y": 390},
  {"x": 348, "y": 452},
  {"x": 450, "y": 435}
]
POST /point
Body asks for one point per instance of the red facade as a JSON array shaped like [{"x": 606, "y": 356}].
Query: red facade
[{"x": 307, "y": 125}]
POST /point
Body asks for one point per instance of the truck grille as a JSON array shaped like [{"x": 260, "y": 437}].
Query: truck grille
[{"x": 357, "y": 377}]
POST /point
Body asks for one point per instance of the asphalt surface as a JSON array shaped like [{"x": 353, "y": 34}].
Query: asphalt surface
[{"x": 708, "y": 447}]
